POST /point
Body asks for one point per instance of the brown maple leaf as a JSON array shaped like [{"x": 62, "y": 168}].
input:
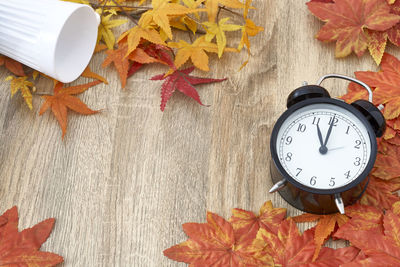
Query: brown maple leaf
[
  {"x": 213, "y": 244},
  {"x": 247, "y": 223},
  {"x": 12, "y": 65},
  {"x": 347, "y": 22},
  {"x": 64, "y": 99},
  {"x": 290, "y": 248},
  {"x": 22, "y": 248},
  {"x": 324, "y": 228},
  {"x": 381, "y": 248}
]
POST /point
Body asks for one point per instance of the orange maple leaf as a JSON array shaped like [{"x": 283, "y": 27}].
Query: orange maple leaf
[
  {"x": 64, "y": 99},
  {"x": 213, "y": 244},
  {"x": 88, "y": 73},
  {"x": 247, "y": 223},
  {"x": 381, "y": 193},
  {"x": 381, "y": 247},
  {"x": 386, "y": 83},
  {"x": 12, "y": 65},
  {"x": 22, "y": 248},
  {"x": 290, "y": 248},
  {"x": 324, "y": 228},
  {"x": 348, "y": 20}
]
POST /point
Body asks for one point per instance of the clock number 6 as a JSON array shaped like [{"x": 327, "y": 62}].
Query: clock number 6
[{"x": 313, "y": 180}]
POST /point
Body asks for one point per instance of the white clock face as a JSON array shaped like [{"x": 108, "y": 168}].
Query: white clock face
[{"x": 319, "y": 159}]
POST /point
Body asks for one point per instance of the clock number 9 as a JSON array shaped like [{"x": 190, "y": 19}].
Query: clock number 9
[
  {"x": 313, "y": 180},
  {"x": 289, "y": 140}
]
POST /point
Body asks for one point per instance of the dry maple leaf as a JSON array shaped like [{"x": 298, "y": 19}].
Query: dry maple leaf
[
  {"x": 196, "y": 51},
  {"x": 381, "y": 248},
  {"x": 324, "y": 228},
  {"x": 290, "y": 248},
  {"x": 12, "y": 65},
  {"x": 386, "y": 85},
  {"x": 218, "y": 30},
  {"x": 213, "y": 244},
  {"x": 181, "y": 80},
  {"x": 381, "y": 193},
  {"x": 22, "y": 248},
  {"x": 89, "y": 74},
  {"x": 161, "y": 12},
  {"x": 134, "y": 35},
  {"x": 23, "y": 85},
  {"x": 64, "y": 99},
  {"x": 347, "y": 21},
  {"x": 247, "y": 223},
  {"x": 104, "y": 32}
]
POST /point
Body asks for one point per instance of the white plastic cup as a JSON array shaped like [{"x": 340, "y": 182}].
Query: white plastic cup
[{"x": 54, "y": 37}]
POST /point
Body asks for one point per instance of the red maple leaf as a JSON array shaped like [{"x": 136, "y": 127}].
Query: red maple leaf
[
  {"x": 181, "y": 80},
  {"x": 247, "y": 223},
  {"x": 290, "y": 248},
  {"x": 379, "y": 247},
  {"x": 22, "y": 248},
  {"x": 348, "y": 23},
  {"x": 214, "y": 244}
]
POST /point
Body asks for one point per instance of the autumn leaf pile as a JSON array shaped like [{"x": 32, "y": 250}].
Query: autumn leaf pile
[
  {"x": 356, "y": 25},
  {"x": 172, "y": 33}
]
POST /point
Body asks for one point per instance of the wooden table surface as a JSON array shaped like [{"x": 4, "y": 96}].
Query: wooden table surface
[{"x": 122, "y": 182}]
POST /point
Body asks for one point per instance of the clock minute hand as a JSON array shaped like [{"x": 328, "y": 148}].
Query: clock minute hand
[{"x": 329, "y": 131}]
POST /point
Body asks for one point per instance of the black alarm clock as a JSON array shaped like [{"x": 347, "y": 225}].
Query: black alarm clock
[{"x": 322, "y": 148}]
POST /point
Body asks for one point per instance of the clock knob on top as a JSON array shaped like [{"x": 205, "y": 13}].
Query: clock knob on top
[
  {"x": 306, "y": 92},
  {"x": 373, "y": 115}
]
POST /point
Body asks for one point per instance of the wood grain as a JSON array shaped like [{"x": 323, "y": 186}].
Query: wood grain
[{"x": 122, "y": 182}]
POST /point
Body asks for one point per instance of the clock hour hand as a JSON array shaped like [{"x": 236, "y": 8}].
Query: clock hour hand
[{"x": 322, "y": 148}]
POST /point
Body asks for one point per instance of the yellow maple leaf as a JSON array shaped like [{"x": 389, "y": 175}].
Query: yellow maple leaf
[
  {"x": 193, "y": 4},
  {"x": 184, "y": 23},
  {"x": 161, "y": 12},
  {"x": 135, "y": 34},
  {"x": 218, "y": 30},
  {"x": 196, "y": 52},
  {"x": 105, "y": 26},
  {"x": 250, "y": 29},
  {"x": 212, "y": 7},
  {"x": 21, "y": 84}
]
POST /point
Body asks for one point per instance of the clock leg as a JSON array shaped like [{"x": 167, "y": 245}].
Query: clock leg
[
  {"x": 339, "y": 203},
  {"x": 279, "y": 185}
]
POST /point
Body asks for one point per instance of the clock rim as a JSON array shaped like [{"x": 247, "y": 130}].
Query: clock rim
[{"x": 342, "y": 104}]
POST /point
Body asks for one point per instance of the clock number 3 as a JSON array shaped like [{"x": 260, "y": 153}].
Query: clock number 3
[{"x": 358, "y": 161}]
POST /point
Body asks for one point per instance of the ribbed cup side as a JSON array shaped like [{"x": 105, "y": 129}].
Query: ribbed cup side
[{"x": 20, "y": 24}]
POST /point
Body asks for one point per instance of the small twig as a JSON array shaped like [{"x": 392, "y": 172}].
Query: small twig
[
  {"x": 219, "y": 11},
  {"x": 231, "y": 11},
  {"x": 124, "y": 12}
]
